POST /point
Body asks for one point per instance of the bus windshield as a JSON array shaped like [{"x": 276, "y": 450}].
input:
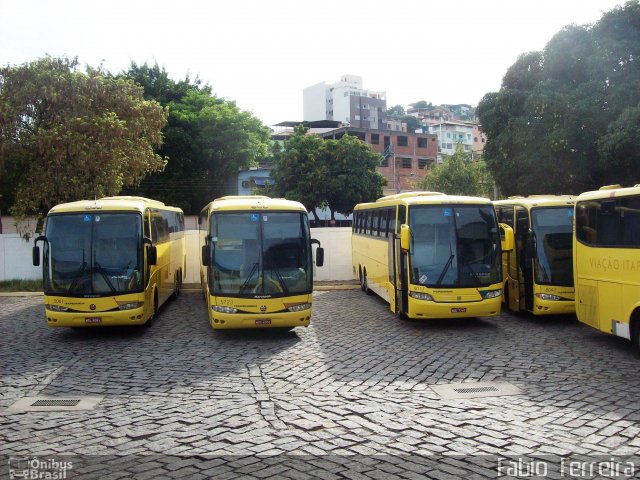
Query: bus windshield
[
  {"x": 93, "y": 254},
  {"x": 454, "y": 246},
  {"x": 260, "y": 254},
  {"x": 552, "y": 232}
]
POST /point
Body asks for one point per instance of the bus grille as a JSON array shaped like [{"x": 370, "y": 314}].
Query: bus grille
[{"x": 457, "y": 297}]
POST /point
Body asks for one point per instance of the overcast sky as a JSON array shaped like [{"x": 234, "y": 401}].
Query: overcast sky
[{"x": 262, "y": 53}]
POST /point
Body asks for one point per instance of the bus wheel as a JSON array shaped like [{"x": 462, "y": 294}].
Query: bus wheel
[
  {"x": 154, "y": 312},
  {"x": 635, "y": 330},
  {"x": 360, "y": 278},
  {"x": 178, "y": 285},
  {"x": 365, "y": 285}
]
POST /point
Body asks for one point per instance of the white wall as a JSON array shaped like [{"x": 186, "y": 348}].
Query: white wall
[
  {"x": 337, "y": 253},
  {"x": 15, "y": 256}
]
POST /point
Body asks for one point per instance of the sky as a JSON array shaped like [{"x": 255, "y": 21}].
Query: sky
[{"x": 262, "y": 54}]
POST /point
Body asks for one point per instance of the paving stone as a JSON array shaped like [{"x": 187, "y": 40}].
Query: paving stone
[{"x": 354, "y": 385}]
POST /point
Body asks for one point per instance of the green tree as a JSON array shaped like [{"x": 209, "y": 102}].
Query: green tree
[
  {"x": 564, "y": 110},
  {"x": 352, "y": 175},
  {"x": 67, "y": 134},
  {"x": 319, "y": 173},
  {"x": 297, "y": 173},
  {"x": 459, "y": 175},
  {"x": 421, "y": 104},
  {"x": 412, "y": 123},
  {"x": 207, "y": 140},
  {"x": 396, "y": 112}
]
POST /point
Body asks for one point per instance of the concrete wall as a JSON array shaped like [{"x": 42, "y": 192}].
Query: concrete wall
[{"x": 15, "y": 256}]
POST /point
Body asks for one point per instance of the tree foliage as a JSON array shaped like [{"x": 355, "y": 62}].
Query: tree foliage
[
  {"x": 67, "y": 134},
  {"x": 412, "y": 123},
  {"x": 207, "y": 140},
  {"x": 396, "y": 112},
  {"x": 459, "y": 175},
  {"x": 566, "y": 110},
  {"x": 336, "y": 174}
]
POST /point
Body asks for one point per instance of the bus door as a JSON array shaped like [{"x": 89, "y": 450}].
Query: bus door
[
  {"x": 400, "y": 259},
  {"x": 523, "y": 289},
  {"x": 505, "y": 215}
]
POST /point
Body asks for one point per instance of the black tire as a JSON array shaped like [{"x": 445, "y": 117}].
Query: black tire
[
  {"x": 152, "y": 318},
  {"x": 361, "y": 278},
  {"x": 365, "y": 285},
  {"x": 178, "y": 285},
  {"x": 635, "y": 331}
]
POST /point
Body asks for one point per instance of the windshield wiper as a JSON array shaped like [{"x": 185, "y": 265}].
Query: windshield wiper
[
  {"x": 445, "y": 269},
  {"x": 81, "y": 273},
  {"x": 254, "y": 269},
  {"x": 97, "y": 268},
  {"x": 281, "y": 280}
]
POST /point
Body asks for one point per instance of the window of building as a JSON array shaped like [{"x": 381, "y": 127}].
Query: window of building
[
  {"x": 448, "y": 134},
  {"x": 422, "y": 142},
  {"x": 402, "y": 141},
  {"x": 422, "y": 163},
  {"x": 385, "y": 162},
  {"x": 245, "y": 184},
  {"x": 387, "y": 141},
  {"x": 375, "y": 138},
  {"x": 357, "y": 117},
  {"x": 406, "y": 163}
]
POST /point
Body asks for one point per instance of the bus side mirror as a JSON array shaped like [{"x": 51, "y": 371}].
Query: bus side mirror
[
  {"x": 206, "y": 255},
  {"x": 152, "y": 255},
  {"x": 319, "y": 252},
  {"x": 405, "y": 237},
  {"x": 507, "y": 241},
  {"x": 35, "y": 253}
]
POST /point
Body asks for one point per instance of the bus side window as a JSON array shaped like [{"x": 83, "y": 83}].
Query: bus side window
[
  {"x": 402, "y": 217},
  {"x": 392, "y": 221},
  {"x": 374, "y": 223},
  {"x": 146, "y": 228},
  {"x": 505, "y": 215}
]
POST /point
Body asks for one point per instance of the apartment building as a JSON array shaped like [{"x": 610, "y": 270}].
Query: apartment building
[
  {"x": 450, "y": 134},
  {"x": 345, "y": 101}
]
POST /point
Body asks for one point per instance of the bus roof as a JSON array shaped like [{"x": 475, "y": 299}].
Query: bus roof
[
  {"x": 253, "y": 202},
  {"x": 112, "y": 203},
  {"x": 608, "y": 192},
  {"x": 539, "y": 201},
  {"x": 422, "y": 198}
]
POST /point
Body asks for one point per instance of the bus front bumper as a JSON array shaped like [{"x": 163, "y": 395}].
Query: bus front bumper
[
  {"x": 95, "y": 319},
  {"x": 220, "y": 321},
  {"x": 427, "y": 309}
]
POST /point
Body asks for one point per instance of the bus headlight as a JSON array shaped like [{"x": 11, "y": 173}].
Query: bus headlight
[
  {"x": 548, "y": 296},
  {"x": 421, "y": 296},
  {"x": 491, "y": 293},
  {"x": 129, "y": 305},
  {"x": 56, "y": 308},
  {"x": 300, "y": 307},
  {"x": 220, "y": 309}
]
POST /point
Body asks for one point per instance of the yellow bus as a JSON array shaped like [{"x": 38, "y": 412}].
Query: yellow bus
[
  {"x": 430, "y": 255},
  {"x": 111, "y": 261},
  {"x": 538, "y": 272},
  {"x": 606, "y": 262},
  {"x": 256, "y": 262}
]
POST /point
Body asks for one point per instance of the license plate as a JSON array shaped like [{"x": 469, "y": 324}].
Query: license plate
[
  {"x": 265, "y": 321},
  {"x": 92, "y": 320},
  {"x": 458, "y": 310}
]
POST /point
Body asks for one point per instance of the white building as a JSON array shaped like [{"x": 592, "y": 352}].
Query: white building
[
  {"x": 450, "y": 134},
  {"x": 346, "y": 102}
]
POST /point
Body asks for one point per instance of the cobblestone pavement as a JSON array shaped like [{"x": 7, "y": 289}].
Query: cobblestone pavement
[{"x": 348, "y": 397}]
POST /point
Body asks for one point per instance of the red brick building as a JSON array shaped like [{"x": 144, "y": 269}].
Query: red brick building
[{"x": 407, "y": 155}]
